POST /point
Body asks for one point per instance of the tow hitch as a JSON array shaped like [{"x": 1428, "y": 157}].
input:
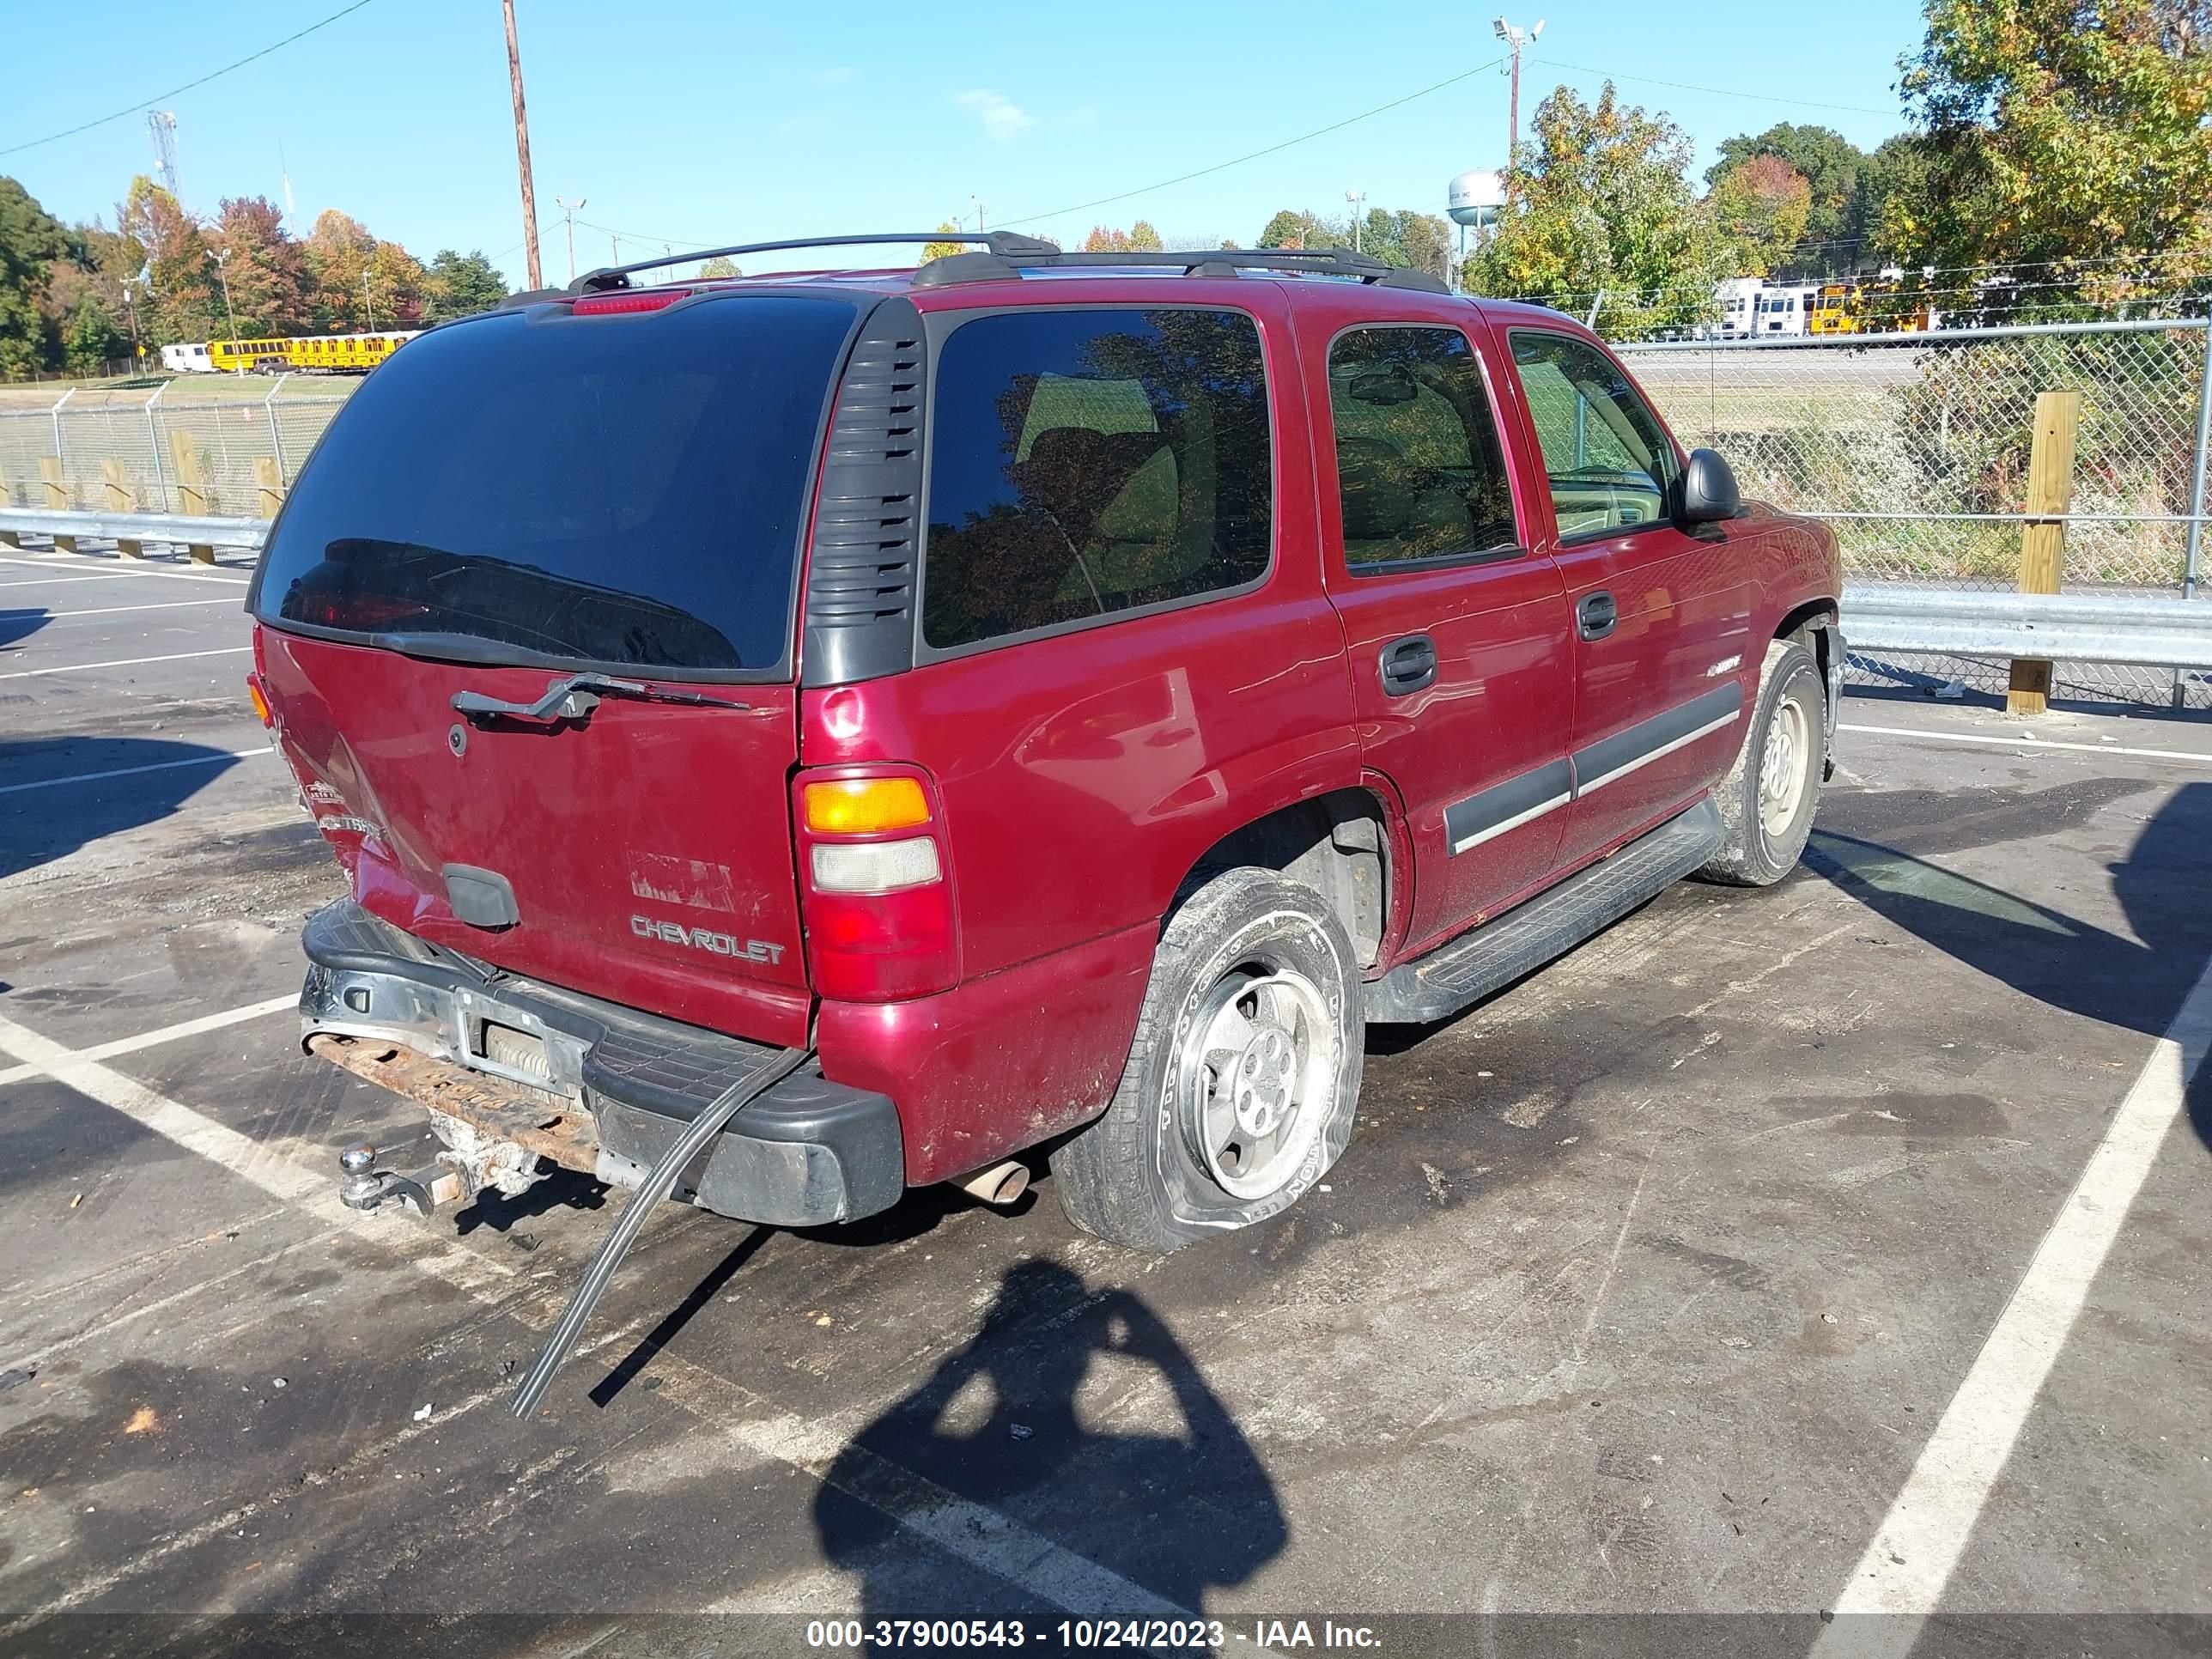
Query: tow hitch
[{"x": 365, "y": 1186}]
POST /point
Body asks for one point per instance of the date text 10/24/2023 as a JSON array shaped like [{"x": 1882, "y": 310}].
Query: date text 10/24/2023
[{"x": 1138, "y": 1635}]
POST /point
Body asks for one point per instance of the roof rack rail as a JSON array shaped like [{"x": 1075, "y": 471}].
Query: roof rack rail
[
  {"x": 1193, "y": 262},
  {"x": 1002, "y": 244}
]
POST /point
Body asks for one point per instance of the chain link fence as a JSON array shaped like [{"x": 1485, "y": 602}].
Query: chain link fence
[
  {"x": 80, "y": 438},
  {"x": 1914, "y": 447}
]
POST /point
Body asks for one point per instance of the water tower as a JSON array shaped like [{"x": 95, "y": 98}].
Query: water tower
[{"x": 1474, "y": 199}]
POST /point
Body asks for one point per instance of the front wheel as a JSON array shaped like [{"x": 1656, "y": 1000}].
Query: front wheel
[
  {"x": 1767, "y": 801},
  {"x": 1244, "y": 1078}
]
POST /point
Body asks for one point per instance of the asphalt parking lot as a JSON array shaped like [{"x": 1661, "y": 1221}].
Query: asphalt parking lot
[{"x": 1729, "y": 1267}]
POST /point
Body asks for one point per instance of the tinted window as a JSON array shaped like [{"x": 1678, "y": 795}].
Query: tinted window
[
  {"x": 1418, "y": 471},
  {"x": 1607, "y": 458},
  {"x": 1087, "y": 462},
  {"x": 625, "y": 491}
]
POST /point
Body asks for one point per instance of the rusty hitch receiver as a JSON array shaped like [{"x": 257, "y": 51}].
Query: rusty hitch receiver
[
  {"x": 365, "y": 1186},
  {"x": 658, "y": 1184}
]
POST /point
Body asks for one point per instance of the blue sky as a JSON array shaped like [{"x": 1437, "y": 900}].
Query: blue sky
[{"x": 691, "y": 123}]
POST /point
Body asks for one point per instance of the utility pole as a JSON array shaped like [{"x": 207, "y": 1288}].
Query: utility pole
[
  {"x": 569, "y": 212},
  {"x": 1516, "y": 39},
  {"x": 367, "y": 306},
  {"x": 221, "y": 263},
  {"x": 522, "y": 154},
  {"x": 1358, "y": 198},
  {"x": 982, "y": 208}
]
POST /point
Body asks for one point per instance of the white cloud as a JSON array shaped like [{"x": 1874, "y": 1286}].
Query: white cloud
[{"x": 1002, "y": 117}]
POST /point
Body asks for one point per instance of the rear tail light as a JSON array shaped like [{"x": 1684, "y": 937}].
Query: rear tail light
[
  {"x": 875, "y": 885},
  {"x": 260, "y": 701}
]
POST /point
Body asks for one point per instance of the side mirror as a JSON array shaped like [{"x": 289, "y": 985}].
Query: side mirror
[{"x": 1706, "y": 492}]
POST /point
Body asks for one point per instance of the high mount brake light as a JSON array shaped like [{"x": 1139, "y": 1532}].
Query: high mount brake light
[
  {"x": 615, "y": 305},
  {"x": 875, "y": 885}
]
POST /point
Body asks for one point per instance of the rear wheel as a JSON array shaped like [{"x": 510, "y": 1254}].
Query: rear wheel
[
  {"x": 1767, "y": 800},
  {"x": 1242, "y": 1083}
]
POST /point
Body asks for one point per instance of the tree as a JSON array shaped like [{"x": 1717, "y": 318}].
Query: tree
[
  {"x": 1760, "y": 208},
  {"x": 2074, "y": 139},
  {"x": 1835, "y": 171},
  {"x": 1302, "y": 230},
  {"x": 338, "y": 252},
  {"x": 1601, "y": 206},
  {"x": 397, "y": 283},
  {"x": 185, "y": 302},
  {"x": 462, "y": 284},
  {"x": 30, "y": 242},
  {"x": 265, "y": 269},
  {"x": 1138, "y": 238},
  {"x": 943, "y": 250},
  {"x": 91, "y": 340},
  {"x": 722, "y": 267}
]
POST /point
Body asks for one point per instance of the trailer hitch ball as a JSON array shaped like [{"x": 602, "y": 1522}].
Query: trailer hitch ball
[{"x": 361, "y": 1189}]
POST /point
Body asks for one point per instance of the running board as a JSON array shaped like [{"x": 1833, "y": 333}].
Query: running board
[{"x": 1469, "y": 968}]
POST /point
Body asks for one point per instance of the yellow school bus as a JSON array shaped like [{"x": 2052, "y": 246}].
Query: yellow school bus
[{"x": 330, "y": 353}]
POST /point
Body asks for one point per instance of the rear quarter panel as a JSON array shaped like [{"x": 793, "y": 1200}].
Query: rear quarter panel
[{"x": 1082, "y": 777}]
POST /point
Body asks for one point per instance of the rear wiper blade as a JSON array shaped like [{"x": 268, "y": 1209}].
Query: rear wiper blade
[{"x": 576, "y": 696}]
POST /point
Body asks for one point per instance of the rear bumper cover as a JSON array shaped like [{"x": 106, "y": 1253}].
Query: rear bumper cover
[{"x": 806, "y": 1153}]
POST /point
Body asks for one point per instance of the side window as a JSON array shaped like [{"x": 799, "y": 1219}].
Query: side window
[
  {"x": 1607, "y": 458},
  {"x": 1087, "y": 462},
  {"x": 1419, "y": 474}
]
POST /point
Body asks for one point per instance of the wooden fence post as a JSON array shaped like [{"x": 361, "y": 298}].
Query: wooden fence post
[
  {"x": 120, "y": 500},
  {"x": 2043, "y": 538},
  {"x": 269, "y": 486},
  {"x": 57, "y": 501},
  {"x": 192, "y": 489}
]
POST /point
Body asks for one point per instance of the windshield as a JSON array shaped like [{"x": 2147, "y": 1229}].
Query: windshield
[{"x": 627, "y": 491}]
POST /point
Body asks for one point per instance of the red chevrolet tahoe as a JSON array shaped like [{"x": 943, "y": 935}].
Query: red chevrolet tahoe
[{"x": 876, "y": 723}]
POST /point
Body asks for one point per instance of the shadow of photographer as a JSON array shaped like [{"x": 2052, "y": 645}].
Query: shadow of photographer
[{"x": 1015, "y": 1422}]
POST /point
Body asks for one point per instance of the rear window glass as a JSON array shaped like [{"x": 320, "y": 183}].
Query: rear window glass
[
  {"x": 1089, "y": 462},
  {"x": 627, "y": 491}
]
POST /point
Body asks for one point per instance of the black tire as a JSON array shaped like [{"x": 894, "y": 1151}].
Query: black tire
[
  {"x": 1133, "y": 1176},
  {"x": 1758, "y": 848}
]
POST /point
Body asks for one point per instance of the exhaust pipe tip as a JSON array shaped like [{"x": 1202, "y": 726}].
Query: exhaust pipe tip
[{"x": 999, "y": 1183}]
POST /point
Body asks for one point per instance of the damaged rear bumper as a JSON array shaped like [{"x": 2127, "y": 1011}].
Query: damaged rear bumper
[{"x": 589, "y": 1085}]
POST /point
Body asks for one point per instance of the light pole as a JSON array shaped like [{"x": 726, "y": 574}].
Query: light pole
[
  {"x": 1515, "y": 38},
  {"x": 1358, "y": 198},
  {"x": 222, "y": 274},
  {"x": 130, "y": 306},
  {"x": 368, "y": 304},
  {"x": 569, "y": 215}
]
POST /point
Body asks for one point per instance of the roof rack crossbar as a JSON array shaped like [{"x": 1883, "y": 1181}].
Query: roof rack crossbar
[
  {"x": 1193, "y": 262},
  {"x": 1004, "y": 243}
]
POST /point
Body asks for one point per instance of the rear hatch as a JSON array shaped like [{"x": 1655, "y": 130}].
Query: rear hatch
[{"x": 516, "y": 501}]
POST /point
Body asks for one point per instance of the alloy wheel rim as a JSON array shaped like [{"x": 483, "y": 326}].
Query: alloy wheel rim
[{"x": 1253, "y": 1079}]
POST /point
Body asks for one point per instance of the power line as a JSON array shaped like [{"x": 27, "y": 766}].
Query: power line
[
  {"x": 1184, "y": 178},
  {"x": 161, "y": 97},
  {"x": 1719, "y": 92}
]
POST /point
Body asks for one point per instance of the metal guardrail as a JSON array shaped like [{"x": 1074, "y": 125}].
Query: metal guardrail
[
  {"x": 184, "y": 530},
  {"x": 2152, "y": 633},
  {"x": 2147, "y": 632}
]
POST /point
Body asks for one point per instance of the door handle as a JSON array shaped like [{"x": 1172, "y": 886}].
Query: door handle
[
  {"x": 1408, "y": 665},
  {"x": 1595, "y": 614}
]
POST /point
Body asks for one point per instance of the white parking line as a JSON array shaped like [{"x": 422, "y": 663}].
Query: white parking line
[
  {"x": 183, "y": 1028},
  {"x": 1919, "y": 1542},
  {"x": 126, "y": 662},
  {"x": 137, "y": 570},
  {"x": 108, "y": 610},
  {"x": 13, "y": 582},
  {"x": 208, "y": 759},
  {"x": 986, "y": 1539},
  {"x": 2187, "y": 756}
]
